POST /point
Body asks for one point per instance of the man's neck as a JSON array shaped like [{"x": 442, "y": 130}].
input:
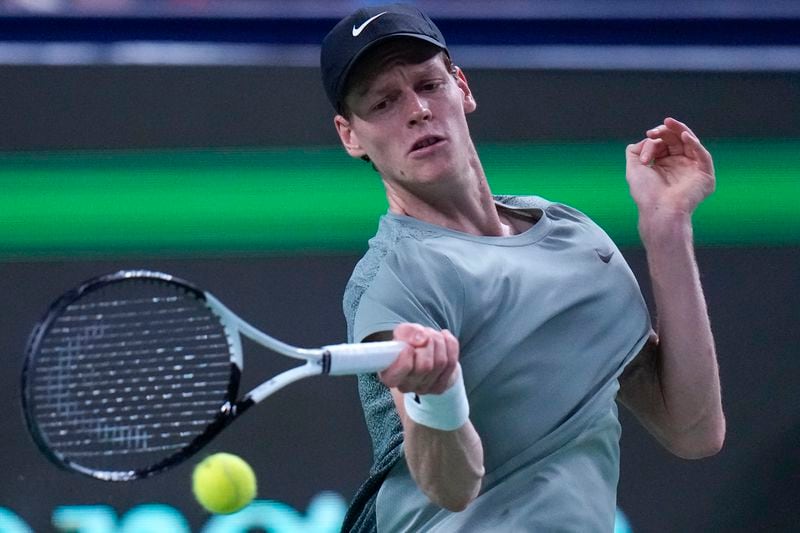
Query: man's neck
[{"x": 463, "y": 204}]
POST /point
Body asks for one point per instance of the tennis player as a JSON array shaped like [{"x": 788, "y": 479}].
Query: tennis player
[{"x": 523, "y": 321}]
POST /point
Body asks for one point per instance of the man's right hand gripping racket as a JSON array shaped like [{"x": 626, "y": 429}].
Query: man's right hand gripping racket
[{"x": 133, "y": 372}]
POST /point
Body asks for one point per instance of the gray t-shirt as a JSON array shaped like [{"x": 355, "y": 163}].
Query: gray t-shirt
[{"x": 546, "y": 320}]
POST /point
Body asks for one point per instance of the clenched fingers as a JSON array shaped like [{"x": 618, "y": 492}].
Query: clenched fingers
[{"x": 427, "y": 363}]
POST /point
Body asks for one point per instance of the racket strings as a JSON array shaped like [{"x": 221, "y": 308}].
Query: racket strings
[
  {"x": 171, "y": 326},
  {"x": 98, "y": 351},
  {"x": 128, "y": 374},
  {"x": 86, "y": 306},
  {"x": 106, "y": 367}
]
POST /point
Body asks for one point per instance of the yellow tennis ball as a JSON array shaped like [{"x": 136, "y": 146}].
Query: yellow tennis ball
[{"x": 223, "y": 483}]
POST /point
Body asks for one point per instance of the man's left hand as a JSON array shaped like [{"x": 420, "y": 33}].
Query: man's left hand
[{"x": 669, "y": 172}]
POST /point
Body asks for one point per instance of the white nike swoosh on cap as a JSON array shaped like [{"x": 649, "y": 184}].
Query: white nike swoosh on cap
[{"x": 357, "y": 31}]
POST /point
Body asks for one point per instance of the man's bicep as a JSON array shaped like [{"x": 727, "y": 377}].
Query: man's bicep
[{"x": 640, "y": 389}]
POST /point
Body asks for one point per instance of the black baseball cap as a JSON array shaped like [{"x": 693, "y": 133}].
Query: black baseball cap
[{"x": 363, "y": 29}]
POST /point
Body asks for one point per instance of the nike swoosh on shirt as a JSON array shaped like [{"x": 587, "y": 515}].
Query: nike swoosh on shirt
[
  {"x": 604, "y": 255},
  {"x": 357, "y": 30}
]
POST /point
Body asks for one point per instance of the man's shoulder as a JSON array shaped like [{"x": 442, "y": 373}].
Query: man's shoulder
[
  {"x": 526, "y": 202},
  {"x": 397, "y": 239},
  {"x": 554, "y": 209},
  {"x": 397, "y": 243},
  {"x": 519, "y": 201}
]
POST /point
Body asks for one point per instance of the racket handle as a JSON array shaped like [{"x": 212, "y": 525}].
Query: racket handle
[{"x": 362, "y": 358}]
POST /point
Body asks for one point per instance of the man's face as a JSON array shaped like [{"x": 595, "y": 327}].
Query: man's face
[{"x": 409, "y": 118}]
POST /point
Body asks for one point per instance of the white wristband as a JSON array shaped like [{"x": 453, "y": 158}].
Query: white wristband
[{"x": 447, "y": 411}]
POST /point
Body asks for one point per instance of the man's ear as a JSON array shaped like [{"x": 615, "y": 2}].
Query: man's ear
[
  {"x": 348, "y": 137},
  {"x": 469, "y": 101}
]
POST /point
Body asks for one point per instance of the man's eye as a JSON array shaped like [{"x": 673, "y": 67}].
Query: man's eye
[{"x": 380, "y": 106}]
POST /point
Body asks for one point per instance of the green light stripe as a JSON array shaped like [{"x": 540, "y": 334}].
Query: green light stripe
[{"x": 318, "y": 199}]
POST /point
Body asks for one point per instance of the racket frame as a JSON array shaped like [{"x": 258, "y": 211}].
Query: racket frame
[{"x": 338, "y": 359}]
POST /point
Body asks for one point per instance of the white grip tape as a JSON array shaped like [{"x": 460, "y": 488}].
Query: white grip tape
[
  {"x": 447, "y": 411},
  {"x": 363, "y": 358}
]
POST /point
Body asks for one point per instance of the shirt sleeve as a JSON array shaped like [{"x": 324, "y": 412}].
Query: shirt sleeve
[{"x": 415, "y": 283}]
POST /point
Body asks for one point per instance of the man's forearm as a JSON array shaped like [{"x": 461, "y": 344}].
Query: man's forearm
[
  {"x": 446, "y": 465},
  {"x": 691, "y": 419}
]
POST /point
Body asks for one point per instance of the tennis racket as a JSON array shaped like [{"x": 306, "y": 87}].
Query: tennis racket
[{"x": 133, "y": 372}]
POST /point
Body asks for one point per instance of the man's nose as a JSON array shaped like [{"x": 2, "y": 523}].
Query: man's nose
[{"x": 419, "y": 110}]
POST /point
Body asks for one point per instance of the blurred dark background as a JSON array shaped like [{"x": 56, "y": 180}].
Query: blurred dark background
[{"x": 171, "y": 75}]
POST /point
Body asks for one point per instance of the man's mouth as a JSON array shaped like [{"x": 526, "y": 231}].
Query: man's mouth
[{"x": 425, "y": 142}]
